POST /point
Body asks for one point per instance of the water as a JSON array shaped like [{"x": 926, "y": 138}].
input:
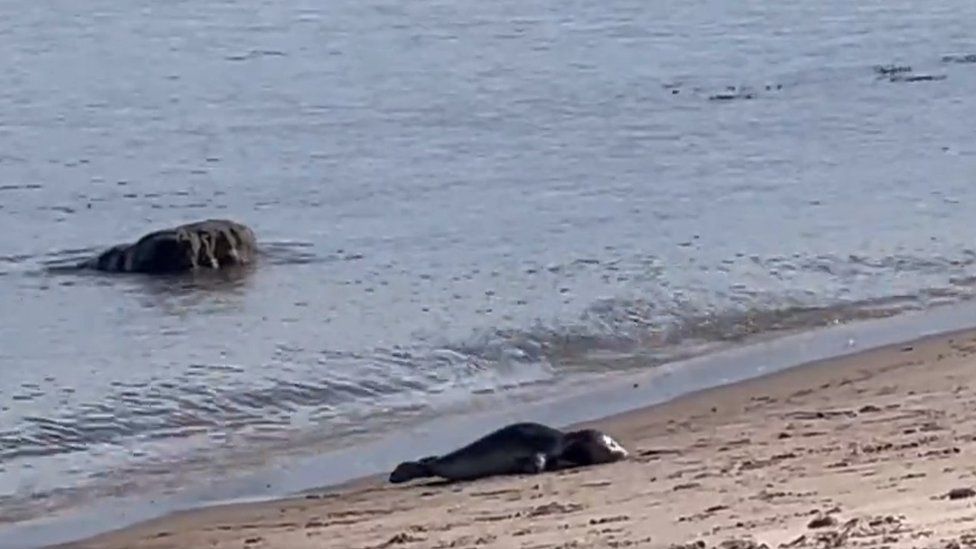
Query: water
[{"x": 461, "y": 205}]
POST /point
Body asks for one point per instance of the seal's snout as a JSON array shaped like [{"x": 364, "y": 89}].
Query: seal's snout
[
  {"x": 402, "y": 473},
  {"x": 614, "y": 447},
  {"x": 409, "y": 470}
]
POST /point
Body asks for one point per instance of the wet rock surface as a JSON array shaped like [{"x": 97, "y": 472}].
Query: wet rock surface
[{"x": 210, "y": 244}]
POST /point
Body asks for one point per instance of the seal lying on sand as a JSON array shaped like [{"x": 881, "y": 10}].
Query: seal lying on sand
[
  {"x": 213, "y": 243},
  {"x": 520, "y": 448}
]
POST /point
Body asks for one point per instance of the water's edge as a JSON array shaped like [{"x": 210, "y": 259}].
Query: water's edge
[{"x": 614, "y": 396}]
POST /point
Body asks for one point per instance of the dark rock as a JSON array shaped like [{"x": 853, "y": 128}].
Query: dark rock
[
  {"x": 822, "y": 522},
  {"x": 209, "y": 244},
  {"x": 960, "y": 493}
]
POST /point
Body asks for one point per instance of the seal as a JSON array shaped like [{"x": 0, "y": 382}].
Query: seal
[
  {"x": 210, "y": 244},
  {"x": 519, "y": 448}
]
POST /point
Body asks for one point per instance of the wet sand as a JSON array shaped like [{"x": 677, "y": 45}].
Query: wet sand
[{"x": 869, "y": 450}]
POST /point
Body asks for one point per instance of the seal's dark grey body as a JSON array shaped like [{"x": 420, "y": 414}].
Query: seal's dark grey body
[{"x": 520, "y": 448}]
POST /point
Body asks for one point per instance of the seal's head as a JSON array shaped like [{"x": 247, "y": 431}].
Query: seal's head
[
  {"x": 590, "y": 447},
  {"x": 409, "y": 470}
]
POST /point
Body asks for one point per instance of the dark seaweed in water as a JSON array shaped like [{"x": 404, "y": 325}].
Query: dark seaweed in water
[
  {"x": 918, "y": 78},
  {"x": 728, "y": 96},
  {"x": 967, "y": 58},
  {"x": 888, "y": 70}
]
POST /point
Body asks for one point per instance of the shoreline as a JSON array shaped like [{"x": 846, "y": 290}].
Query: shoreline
[{"x": 668, "y": 386}]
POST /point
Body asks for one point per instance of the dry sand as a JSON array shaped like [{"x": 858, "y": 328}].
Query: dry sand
[{"x": 871, "y": 450}]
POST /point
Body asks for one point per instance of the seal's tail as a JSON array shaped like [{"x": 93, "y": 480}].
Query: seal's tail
[{"x": 409, "y": 470}]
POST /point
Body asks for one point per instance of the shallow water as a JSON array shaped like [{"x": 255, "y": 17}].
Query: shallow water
[{"x": 454, "y": 199}]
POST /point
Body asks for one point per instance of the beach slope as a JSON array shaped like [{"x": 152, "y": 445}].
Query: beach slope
[{"x": 869, "y": 450}]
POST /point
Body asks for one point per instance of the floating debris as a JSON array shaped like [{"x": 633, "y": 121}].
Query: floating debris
[
  {"x": 958, "y": 58},
  {"x": 886, "y": 70},
  {"x": 728, "y": 96},
  {"x": 917, "y": 78}
]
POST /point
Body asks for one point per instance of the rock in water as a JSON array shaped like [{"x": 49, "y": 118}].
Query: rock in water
[{"x": 208, "y": 244}]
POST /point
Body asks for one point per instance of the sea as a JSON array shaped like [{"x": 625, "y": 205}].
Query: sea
[{"x": 460, "y": 206}]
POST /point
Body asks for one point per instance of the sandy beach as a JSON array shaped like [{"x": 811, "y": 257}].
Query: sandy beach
[{"x": 869, "y": 450}]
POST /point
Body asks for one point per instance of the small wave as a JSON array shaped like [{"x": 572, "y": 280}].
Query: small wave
[
  {"x": 255, "y": 54},
  {"x": 281, "y": 252},
  {"x": 20, "y": 187},
  {"x": 14, "y": 259},
  {"x": 67, "y": 261},
  {"x": 626, "y": 334},
  {"x": 175, "y": 410},
  {"x": 285, "y": 252},
  {"x": 609, "y": 334}
]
